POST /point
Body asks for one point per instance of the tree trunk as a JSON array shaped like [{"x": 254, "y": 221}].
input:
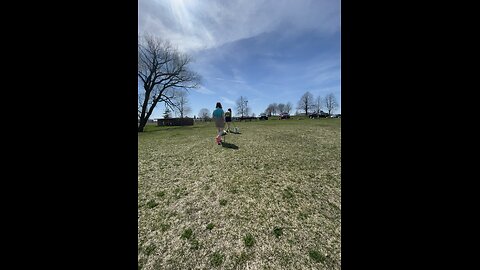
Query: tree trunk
[{"x": 142, "y": 124}]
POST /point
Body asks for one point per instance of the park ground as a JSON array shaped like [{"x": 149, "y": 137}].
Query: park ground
[{"x": 269, "y": 198}]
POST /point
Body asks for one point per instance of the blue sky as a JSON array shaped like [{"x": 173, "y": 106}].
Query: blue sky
[{"x": 268, "y": 51}]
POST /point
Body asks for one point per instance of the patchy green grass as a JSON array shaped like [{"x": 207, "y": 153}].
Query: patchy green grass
[
  {"x": 187, "y": 234},
  {"x": 249, "y": 240},
  {"x": 164, "y": 227},
  {"x": 288, "y": 193},
  {"x": 278, "y": 181},
  {"x": 151, "y": 204},
  {"x": 316, "y": 256},
  {"x": 277, "y": 231},
  {"x": 149, "y": 249},
  {"x": 217, "y": 259},
  {"x": 241, "y": 260},
  {"x": 223, "y": 202},
  {"x": 194, "y": 244}
]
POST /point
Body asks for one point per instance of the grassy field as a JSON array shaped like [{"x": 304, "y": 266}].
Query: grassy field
[{"x": 267, "y": 199}]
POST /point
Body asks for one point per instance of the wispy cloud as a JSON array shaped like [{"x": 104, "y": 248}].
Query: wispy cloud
[
  {"x": 197, "y": 25},
  {"x": 204, "y": 90},
  {"x": 235, "y": 81},
  {"x": 228, "y": 101}
]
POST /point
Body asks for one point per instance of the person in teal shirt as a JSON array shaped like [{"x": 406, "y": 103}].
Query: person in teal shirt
[{"x": 219, "y": 118}]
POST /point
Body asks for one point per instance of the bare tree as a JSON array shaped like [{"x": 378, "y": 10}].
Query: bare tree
[
  {"x": 204, "y": 113},
  {"x": 181, "y": 103},
  {"x": 318, "y": 104},
  {"x": 141, "y": 96},
  {"x": 306, "y": 102},
  {"x": 288, "y": 107},
  {"x": 269, "y": 110},
  {"x": 274, "y": 108},
  {"x": 161, "y": 68},
  {"x": 242, "y": 106},
  {"x": 330, "y": 103}
]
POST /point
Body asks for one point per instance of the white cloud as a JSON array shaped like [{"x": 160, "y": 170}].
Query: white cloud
[
  {"x": 195, "y": 25},
  {"x": 204, "y": 90},
  {"x": 228, "y": 101},
  {"x": 235, "y": 81}
]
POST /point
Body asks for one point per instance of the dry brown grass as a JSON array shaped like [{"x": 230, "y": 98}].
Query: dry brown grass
[{"x": 284, "y": 174}]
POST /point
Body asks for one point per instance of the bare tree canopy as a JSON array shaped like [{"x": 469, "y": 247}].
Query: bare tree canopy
[
  {"x": 161, "y": 69},
  {"x": 306, "y": 102},
  {"x": 288, "y": 107},
  {"x": 274, "y": 108},
  {"x": 318, "y": 104},
  {"x": 204, "y": 113},
  {"x": 181, "y": 103},
  {"x": 330, "y": 103},
  {"x": 242, "y": 106},
  {"x": 269, "y": 110}
]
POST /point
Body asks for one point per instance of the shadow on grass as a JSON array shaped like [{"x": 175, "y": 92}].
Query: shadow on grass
[{"x": 229, "y": 145}]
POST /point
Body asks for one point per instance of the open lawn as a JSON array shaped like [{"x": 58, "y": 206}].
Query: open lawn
[{"x": 269, "y": 198}]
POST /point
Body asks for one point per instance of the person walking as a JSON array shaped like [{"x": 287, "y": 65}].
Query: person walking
[
  {"x": 228, "y": 118},
  {"x": 219, "y": 118}
]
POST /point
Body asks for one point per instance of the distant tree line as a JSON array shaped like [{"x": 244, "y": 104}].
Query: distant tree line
[
  {"x": 308, "y": 104},
  {"x": 274, "y": 108}
]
